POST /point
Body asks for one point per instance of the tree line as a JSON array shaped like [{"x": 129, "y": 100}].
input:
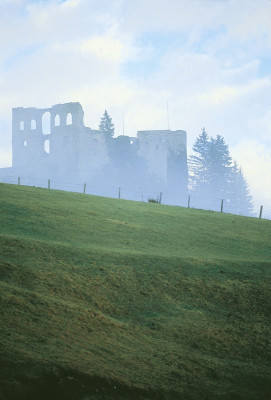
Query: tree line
[{"x": 213, "y": 174}]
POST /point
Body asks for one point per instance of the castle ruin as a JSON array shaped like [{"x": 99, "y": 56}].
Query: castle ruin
[{"x": 54, "y": 143}]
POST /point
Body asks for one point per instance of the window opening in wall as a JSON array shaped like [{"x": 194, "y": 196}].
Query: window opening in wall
[
  {"x": 57, "y": 120},
  {"x": 33, "y": 124},
  {"x": 46, "y": 123},
  {"x": 47, "y": 146},
  {"x": 21, "y": 125},
  {"x": 69, "y": 119},
  {"x": 25, "y": 143}
]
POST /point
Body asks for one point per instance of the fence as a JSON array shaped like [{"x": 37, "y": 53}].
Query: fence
[{"x": 138, "y": 194}]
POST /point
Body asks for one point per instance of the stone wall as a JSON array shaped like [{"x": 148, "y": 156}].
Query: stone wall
[{"x": 54, "y": 143}]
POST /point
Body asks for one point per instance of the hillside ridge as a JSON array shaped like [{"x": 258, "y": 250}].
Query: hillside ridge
[{"x": 164, "y": 302}]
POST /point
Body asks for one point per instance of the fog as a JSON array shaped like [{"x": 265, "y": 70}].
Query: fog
[{"x": 52, "y": 148}]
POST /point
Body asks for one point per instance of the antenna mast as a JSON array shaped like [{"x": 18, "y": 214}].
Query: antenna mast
[
  {"x": 167, "y": 117},
  {"x": 122, "y": 123}
]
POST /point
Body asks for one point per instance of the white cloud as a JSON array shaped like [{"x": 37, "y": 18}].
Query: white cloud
[
  {"x": 105, "y": 48},
  {"x": 223, "y": 95}
]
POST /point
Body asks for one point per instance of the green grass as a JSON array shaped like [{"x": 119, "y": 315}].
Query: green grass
[{"x": 113, "y": 299}]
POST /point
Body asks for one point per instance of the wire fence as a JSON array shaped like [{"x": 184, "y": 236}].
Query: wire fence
[{"x": 137, "y": 194}]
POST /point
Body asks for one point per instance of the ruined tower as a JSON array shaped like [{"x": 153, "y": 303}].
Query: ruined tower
[{"x": 54, "y": 143}]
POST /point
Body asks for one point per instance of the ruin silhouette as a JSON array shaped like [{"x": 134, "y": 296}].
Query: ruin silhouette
[{"x": 54, "y": 143}]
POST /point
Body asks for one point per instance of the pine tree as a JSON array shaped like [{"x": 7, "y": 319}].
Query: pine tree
[
  {"x": 201, "y": 170},
  {"x": 106, "y": 126},
  {"x": 240, "y": 201},
  {"x": 214, "y": 176},
  {"x": 220, "y": 163},
  {"x": 198, "y": 163}
]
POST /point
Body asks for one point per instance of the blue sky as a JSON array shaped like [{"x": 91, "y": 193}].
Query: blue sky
[{"x": 209, "y": 59}]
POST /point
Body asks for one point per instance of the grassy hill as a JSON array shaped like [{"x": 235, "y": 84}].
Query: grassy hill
[{"x": 113, "y": 299}]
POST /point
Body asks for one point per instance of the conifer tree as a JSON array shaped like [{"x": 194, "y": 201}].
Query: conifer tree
[
  {"x": 214, "y": 176},
  {"x": 198, "y": 163},
  {"x": 240, "y": 201},
  {"x": 219, "y": 169},
  {"x": 106, "y": 126}
]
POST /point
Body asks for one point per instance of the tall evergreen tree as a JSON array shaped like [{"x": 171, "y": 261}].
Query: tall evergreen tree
[
  {"x": 106, "y": 126},
  {"x": 240, "y": 201},
  {"x": 198, "y": 162},
  {"x": 214, "y": 176},
  {"x": 219, "y": 169}
]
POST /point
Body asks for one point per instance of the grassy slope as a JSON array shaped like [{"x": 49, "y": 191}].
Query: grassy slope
[{"x": 148, "y": 296}]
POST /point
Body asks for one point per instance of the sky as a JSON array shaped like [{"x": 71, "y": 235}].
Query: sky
[{"x": 209, "y": 60}]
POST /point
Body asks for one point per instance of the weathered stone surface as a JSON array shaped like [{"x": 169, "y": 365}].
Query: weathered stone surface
[{"x": 54, "y": 143}]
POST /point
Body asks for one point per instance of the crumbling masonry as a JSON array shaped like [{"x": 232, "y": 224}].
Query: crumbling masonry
[{"x": 54, "y": 143}]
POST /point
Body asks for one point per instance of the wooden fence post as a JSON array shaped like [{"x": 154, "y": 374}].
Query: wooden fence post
[
  {"x": 119, "y": 192},
  {"x": 49, "y": 183},
  {"x": 160, "y": 198},
  {"x": 261, "y": 212},
  {"x": 85, "y": 188},
  {"x": 19, "y": 180},
  {"x": 188, "y": 205},
  {"x": 221, "y": 208}
]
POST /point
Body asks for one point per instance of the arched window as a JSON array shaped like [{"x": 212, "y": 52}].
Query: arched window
[
  {"x": 69, "y": 119},
  {"x": 25, "y": 143},
  {"x": 33, "y": 125},
  {"x": 21, "y": 125},
  {"x": 46, "y": 123},
  {"x": 57, "y": 120},
  {"x": 47, "y": 146}
]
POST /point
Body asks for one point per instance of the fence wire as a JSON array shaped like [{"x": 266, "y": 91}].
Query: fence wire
[{"x": 137, "y": 194}]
